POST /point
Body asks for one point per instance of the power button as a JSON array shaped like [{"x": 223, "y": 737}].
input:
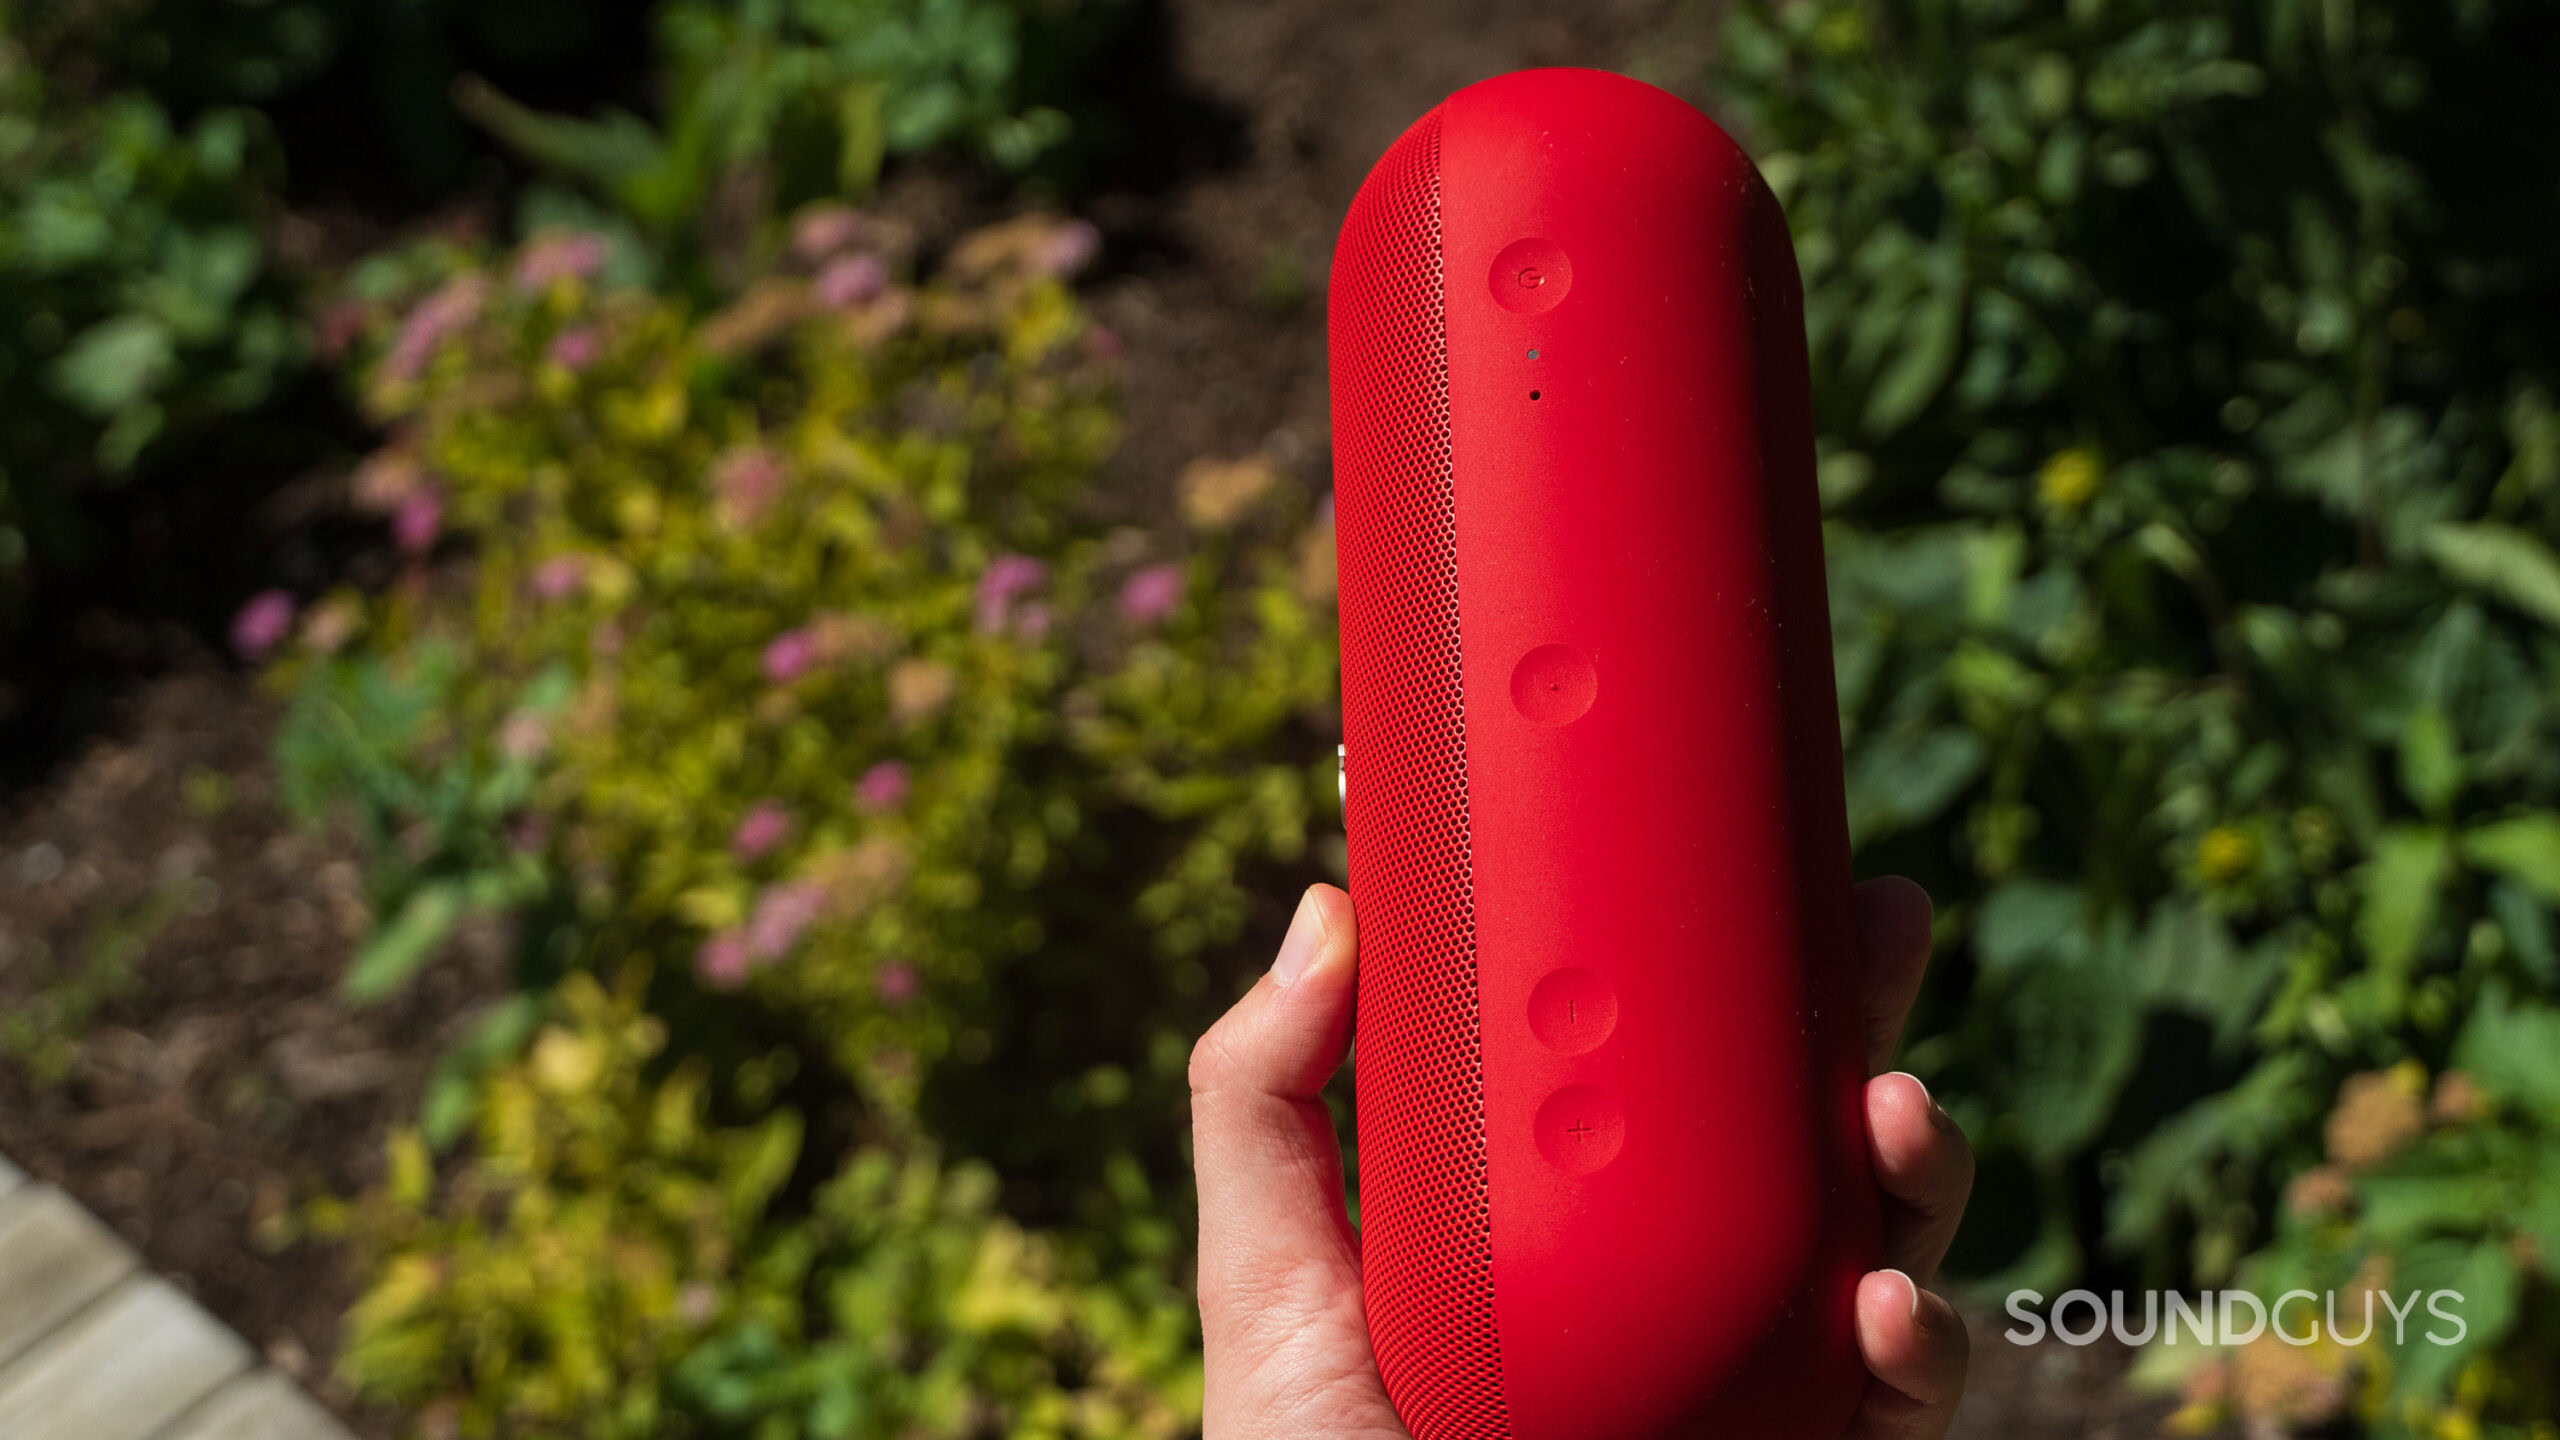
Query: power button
[{"x": 1530, "y": 276}]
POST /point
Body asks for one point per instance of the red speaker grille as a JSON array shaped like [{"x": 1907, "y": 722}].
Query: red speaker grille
[{"x": 1427, "y": 1246}]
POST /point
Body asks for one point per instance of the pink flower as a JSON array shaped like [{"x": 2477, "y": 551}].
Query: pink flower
[
  {"x": 523, "y": 736},
  {"x": 417, "y": 520},
  {"x": 696, "y": 1304},
  {"x": 1067, "y": 249},
  {"x": 1007, "y": 577},
  {"x": 765, "y": 825},
  {"x": 1032, "y": 622},
  {"x": 897, "y": 982},
  {"x": 789, "y": 655},
  {"x": 882, "y": 787},
  {"x": 386, "y": 477},
  {"x": 559, "y": 577},
  {"x": 849, "y": 281},
  {"x": 1151, "y": 594},
  {"x": 822, "y": 230},
  {"x": 746, "y": 480},
  {"x": 262, "y": 623},
  {"x": 454, "y": 305},
  {"x": 331, "y": 624},
  {"x": 722, "y": 961},
  {"x": 781, "y": 914},
  {"x": 560, "y": 255},
  {"x": 1102, "y": 343},
  {"x": 576, "y": 348}
]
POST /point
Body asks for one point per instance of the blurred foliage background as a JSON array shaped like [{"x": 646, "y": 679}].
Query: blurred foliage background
[
  {"x": 2189, "y": 437},
  {"x": 876, "y": 810}
]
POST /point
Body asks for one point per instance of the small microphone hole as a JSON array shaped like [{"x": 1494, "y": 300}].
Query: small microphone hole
[{"x": 1533, "y": 394}]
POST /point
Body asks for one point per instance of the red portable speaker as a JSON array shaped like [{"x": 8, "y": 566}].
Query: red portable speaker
[{"x": 1613, "y": 1170}]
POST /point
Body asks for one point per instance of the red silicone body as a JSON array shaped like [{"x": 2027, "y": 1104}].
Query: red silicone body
[{"x": 1613, "y": 1175}]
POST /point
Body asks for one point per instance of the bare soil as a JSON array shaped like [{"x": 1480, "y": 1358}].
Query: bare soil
[{"x": 176, "y": 1053}]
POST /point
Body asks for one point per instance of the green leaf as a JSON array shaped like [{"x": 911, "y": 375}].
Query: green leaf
[
  {"x": 2504, "y": 561},
  {"x": 2525, "y": 849},
  {"x": 2251, "y": 1120},
  {"x": 2398, "y": 1208},
  {"x": 2076, "y": 1032},
  {"x": 1930, "y": 342},
  {"x": 202, "y": 276},
  {"x": 2527, "y": 926},
  {"x": 2430, "y": 760},
  {"x": 2400, "y": 891},
  {"x": 2539, "y": 1215},
  {"x": 921, "y": 117},
  {"x": 2513, "y": 1050},
  {"x": 399, "y": 949},
  {"x": 59, "y": 227},
  {"x": 1899, "y": 781},
  {"x": 2024, "y": 921},
  {"x": 453, "y": 1087},
  {"x": 2189, "y": 962},
  {"x": 114, "y": 363},
  {"x": 609, "y": 152},
  {"x": 2484, "y": 1276},
  {"x": 863, "y": 140}
]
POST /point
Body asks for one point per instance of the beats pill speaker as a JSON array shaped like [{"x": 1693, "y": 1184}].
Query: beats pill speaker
[{"x": 1613, "y": 1167}]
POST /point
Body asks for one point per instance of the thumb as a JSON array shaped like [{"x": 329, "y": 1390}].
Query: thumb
[{"x": 1273, "y": 1232}]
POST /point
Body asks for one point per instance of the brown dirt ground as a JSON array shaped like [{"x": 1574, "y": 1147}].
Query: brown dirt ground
[
  {"x": 224, "y": 1082},
  {"x": 219, "y": 1084}
]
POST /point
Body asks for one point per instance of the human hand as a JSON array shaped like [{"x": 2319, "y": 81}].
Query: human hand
[{"x": 1280, "y": 1309}]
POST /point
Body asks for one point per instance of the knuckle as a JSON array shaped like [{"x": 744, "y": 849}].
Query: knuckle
[{"x": 1213, "y": 1061}]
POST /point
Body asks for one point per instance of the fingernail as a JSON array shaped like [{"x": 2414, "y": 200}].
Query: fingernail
[
  {"x": 1910, "y": 1285},
  {"x": 1938, "y": 1117},
  {"x": 1298, "y": 948}
]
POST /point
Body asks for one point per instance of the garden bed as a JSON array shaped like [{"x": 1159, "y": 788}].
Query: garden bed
[{"x": 199, "y": 1081}]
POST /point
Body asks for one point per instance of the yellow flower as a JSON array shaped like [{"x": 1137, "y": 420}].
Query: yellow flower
[
  {"x": 1842, "y": 32},
  {"x": 2225, "y": 854},
  {"x": 2069, "y": 479},
  {"x": 565, "y": 1064},
  {"x": 1217, "y": 493}
]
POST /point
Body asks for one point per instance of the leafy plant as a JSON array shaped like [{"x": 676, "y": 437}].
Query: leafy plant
[
  {"x": 881, "y": 746},
  {"x": 793, "y": 101},
  {"x": 2196, "y": 479},
  {"x": 137, "y": 300},
  {"x": 615, "y": 1262},
  {"x": 436, "y": 812},
  {"x": 2450, "y": 1191}
]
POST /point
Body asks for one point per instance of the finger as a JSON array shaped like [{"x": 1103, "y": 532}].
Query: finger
[
  {"x": 1272, "y": 1222},
  {"x": 1893, "y": 953},
  {"x": 1916, "y": 1350},
  {"x": 1925, "y": 1165}
]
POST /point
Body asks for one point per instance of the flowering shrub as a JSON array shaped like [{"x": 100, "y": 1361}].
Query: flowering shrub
[
  {"x": 2196, "y": 479},
  {"x": 837, "y": 702},
  {"x": 614, "y": 1262},
  {"x": 2444, "y": 1187}
]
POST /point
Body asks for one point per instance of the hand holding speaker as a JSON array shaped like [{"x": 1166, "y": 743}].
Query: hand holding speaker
[{"x": 1289, "y": 1354}]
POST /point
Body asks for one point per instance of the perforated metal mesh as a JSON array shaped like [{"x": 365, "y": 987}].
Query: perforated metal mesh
[{"x": 1427, "y": 1232}]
